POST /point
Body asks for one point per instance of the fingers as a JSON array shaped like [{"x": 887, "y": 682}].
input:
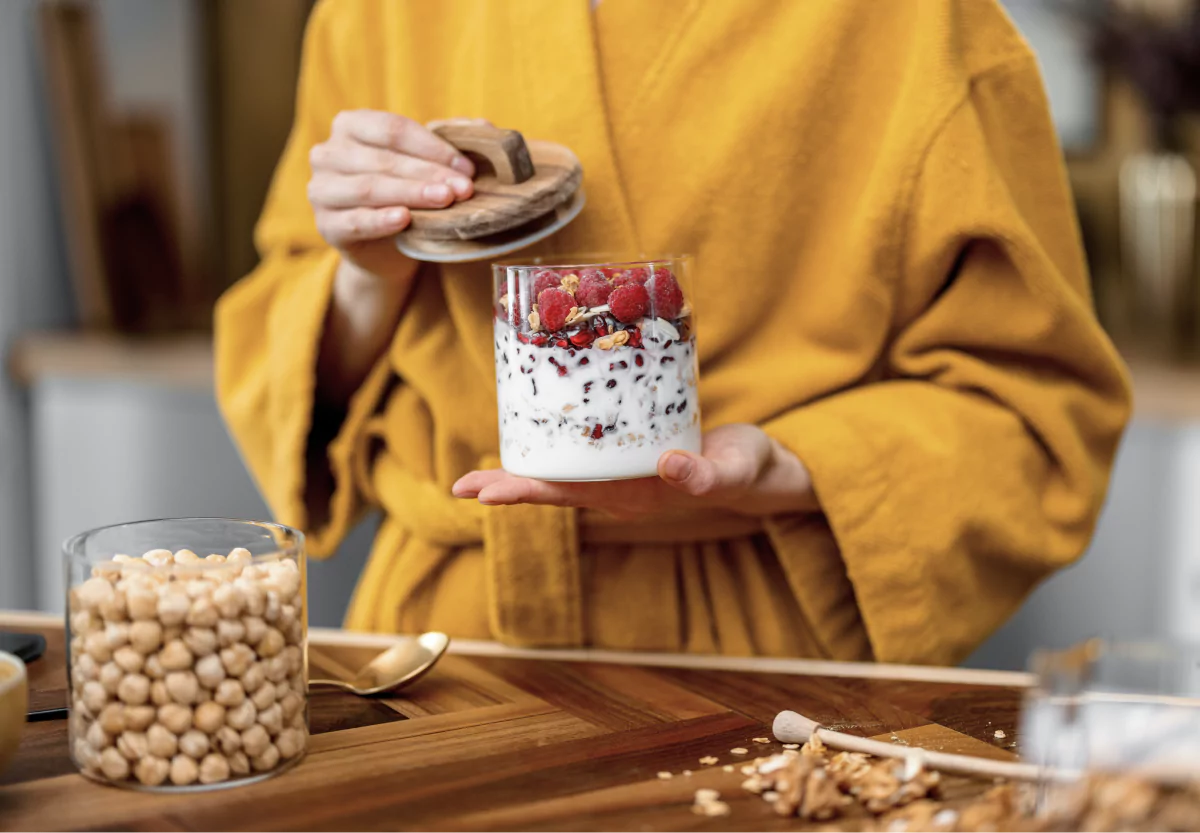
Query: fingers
[
  {"x": 704, "y": 476},
  {"x": 359, "y": 225},
  {"x": 510, "y": 490},
  {"x": 469, "y": 485},
  {"x": 401, "y": 134},
  {"x": 347, "y": 157},
  {"x": 335, "y": 191}
]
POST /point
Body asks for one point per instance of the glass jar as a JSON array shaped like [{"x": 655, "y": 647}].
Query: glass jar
[
  {"x": 187, "y": 652},
  {"x": 1102, "y": 711},
  {"x": 596, "y": 367}
]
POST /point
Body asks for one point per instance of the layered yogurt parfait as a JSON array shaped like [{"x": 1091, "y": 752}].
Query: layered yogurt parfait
[{"x": 595, "y": 368}]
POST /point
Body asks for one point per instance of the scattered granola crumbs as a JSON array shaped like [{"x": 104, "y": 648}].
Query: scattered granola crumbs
[
  {"x": 711, "y": 808},
  {"x": 727, "y": 768},
  {"x": 791, "y": 746},
  {"x": 708, "y": 760},
  {"x": 749, "y": 769},
  {"x": 687, "y": 773},
  {"x": 770, "y": 795},
  {"x": 739, "y": 750},
  {"x": 665, "y": 776},
  {"x": 706, "y": 795},
  {"x": 999, "y": 735},
  {"x": 762, "y": 740}
]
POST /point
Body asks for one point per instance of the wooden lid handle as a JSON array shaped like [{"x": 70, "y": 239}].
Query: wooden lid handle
[{"x": 505, "y": 150}]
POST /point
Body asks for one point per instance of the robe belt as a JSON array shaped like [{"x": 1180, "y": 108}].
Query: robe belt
[{"x": 531, "y": 553}]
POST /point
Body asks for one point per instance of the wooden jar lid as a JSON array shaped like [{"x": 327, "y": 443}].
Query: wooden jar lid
[{"x": 517, "y": 184}]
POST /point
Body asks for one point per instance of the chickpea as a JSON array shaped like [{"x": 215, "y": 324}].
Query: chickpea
[
  {"x": 116, "y": 634},
  {"x": 97, "y": 738},
  {"x": 295, "y": 632},
  {"x": 254, "y": 677},
  {"x": 151, "y": 770},
  {"x": 281, "y": 689},
  {"x": 200, "y": 641},
  {"x": 210, "y": 671},
  {"x": 145, "y": 635},
  {"x": 173, "y": 608},
  {"x": 112, "y": 719},
  {"x": 86, "y": 669},
  {"x": 142, "y": 603},
  {"x": 203, "y": 613},
  {"x": 228, "y": 601},
  {"x": 175, "y": 656},
  {"x": 237, "y": 659},
  {"x": 110, "y": 677},
  {"x": 114, "y": 765},
  {"x": 84, "y": 622},
  {"x": 184, "y": 771},
  {"x": 273, "y": 608},
  {"x": 139, "y": 718},
  {"x": 253, "y": 596},
  {"x": 228, "y": 739},
  {"x": 295, "y": 658},
  {"x": 134, "y": 689},
  {"x": 194, "y": 743},
  {"x": 271, "y": 719},
  {"x": 276, "y": 668},
  {"x": 183, "y": 687},
  {"x": 290, "y": 743},
  {"x": 128, "y": 659},
  {"x": 239, "y": 763},
  {"x": 264, "y": 697},
  {"x": 215, "y": 558},
  {"x": 175, "y": 717},
  {"x": 94, "y": 696},
  {"x": 272, "y": 643},
  {"x": 158, "y": 557},
  {"x": 255, "y": 740},
  {"x": 94, "y": 592},
  {"x": 241, "y": 717},
  {"x": 87, "y": 757},
  {"x": 256, "y": 629},
  {"x": 162, "y": 741},
  {"x": 240, "y": 555},
  {"x": 286, "y": 577},
  {"x": 153, "y": 669},
  {"x": 114, "y": 609},
  {"x": 229, "y": 693},
  {"x": 267, "y": 761},
  {"x": 186, "y": 557},
  {"x": 159, "y": 695},
  {"x": 209, "y": 717},
  {"x": 214, "y": 768},
  {"x": 291, "y": 705},
  {"x": 97, "y": 646},
  {"x": 171, "y": 633},
  {"x": 230, "y": 632},
  {"x": 133, "y": 745}
]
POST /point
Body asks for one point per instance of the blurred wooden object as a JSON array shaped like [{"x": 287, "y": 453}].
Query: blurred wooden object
[
  {"x": 73, "y": 91},
  {"x": 116, "y": 186},
  {"x": 253, "y": 59}
]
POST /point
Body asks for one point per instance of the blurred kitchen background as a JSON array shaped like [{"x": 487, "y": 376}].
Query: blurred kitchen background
[{"x": 137, "y": 138}]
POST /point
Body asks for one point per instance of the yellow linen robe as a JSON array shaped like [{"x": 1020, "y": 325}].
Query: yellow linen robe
[{"x": 890, "y": 282}]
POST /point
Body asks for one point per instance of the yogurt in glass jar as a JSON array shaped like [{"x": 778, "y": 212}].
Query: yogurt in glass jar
[{"x": 596, "y": 367}]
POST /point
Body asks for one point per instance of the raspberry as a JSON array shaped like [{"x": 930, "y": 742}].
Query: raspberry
[
  {"x": 593, "y": 288},
  {"x": 554, "y": 305},
  {"x": 666, "y": 298},
  {"x": 544, "y": 279},
  {"x": 629, "y": 302},
  {"x": 637, "y": 275}
]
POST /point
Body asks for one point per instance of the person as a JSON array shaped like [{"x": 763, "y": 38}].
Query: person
[{"x": 911, "y": 410}]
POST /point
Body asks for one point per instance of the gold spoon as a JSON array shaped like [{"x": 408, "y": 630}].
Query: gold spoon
[{"x": 398, "y": 666}]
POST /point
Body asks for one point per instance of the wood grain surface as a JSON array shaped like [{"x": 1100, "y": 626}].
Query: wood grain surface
[{"x": 503, "y": 743}]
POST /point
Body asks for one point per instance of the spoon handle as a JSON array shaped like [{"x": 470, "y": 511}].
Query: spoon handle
[{"x": 330, "y": 683}]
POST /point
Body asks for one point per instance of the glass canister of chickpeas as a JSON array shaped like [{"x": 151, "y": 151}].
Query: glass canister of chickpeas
[{"x": 187, "y": 652}]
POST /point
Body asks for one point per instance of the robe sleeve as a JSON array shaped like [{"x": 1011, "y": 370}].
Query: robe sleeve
[
  {"x": 268, "y": 330},
  {"x": 979, "y": 462}
]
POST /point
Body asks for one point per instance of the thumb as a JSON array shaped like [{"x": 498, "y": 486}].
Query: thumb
[{"x": 691, "y": 473}]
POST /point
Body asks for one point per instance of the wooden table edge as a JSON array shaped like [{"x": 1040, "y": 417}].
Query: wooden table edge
[{"x": 760, "y": 665}]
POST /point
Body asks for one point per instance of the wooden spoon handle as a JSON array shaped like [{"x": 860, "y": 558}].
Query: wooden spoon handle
[{"x": 504, "y": 149}]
